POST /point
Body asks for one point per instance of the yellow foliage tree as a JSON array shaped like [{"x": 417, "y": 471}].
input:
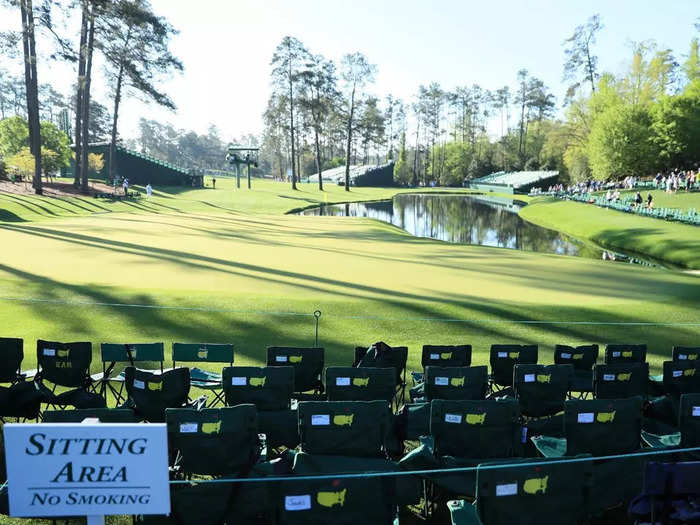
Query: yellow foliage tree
[
  {"x": 96, "y": 161},
  {"x": 21, "y": 163}
]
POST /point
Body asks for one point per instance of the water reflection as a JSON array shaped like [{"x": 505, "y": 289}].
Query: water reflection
[{"x": 485, "y": 221}]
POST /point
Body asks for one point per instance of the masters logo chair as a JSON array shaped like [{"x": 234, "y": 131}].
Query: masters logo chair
[
  {"x": 151, "y": 393},
  {"x": 582, "y": 358},
  {"x": 381, "y": 355},
  {"x": 456, "y": 382},
  {"x": 110, "y": 380},
  {"x": 346, "y": 383},
  {"x": 602, "y": 427},
  {"x": 214, "y": 441},
  {"x": 504, "y": 357},
  {"x": 620, "y": 353},
  {"x": 307, "y": 364},
  {"x": 66, "y": 366},
  {"x": 270, "y": 389},
  {"x": 620, "y": 380},
  {"x": 204, "y": 353},
  {"x": 527, "y": 495},
  {"x": 443, "y": 356}
]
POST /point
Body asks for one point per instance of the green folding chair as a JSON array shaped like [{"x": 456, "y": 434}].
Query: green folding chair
[
  {"x": 456, "y": 382},
  {"x": 151, "y": 393},
  {"x": 346, "y": 383},
  {"x": 541, "y": 389},
  {"x": 620, "y": 380},
  {"x": 104, "y": 415},
  {"x": 602, "y": 427},
  {"x": 66, "y": 366},
  {"x": 504, "y": 357},
  {"x": 688, "y": 434},
  {"x": 204, "y": 353},
  {"x": 681, "y": 377},
  {"x": 341, "y": 500},
  {"x": 464, "y": 433},
  {"x": 686, "y": 353},
  {"x": 381, "y": 355},
  {"x": 621, "y": 353},
  {"x": 527, "y": 495},
  {"x": 344, "y": 428},
  {"x": 582, "y": 358},
  {"x": 270, "y": 389},
  {"x": 20, "y": 399},
  {"x": 443, "y": 356},
  {"x": 214, "y": 441},
  {"x": 110, "y": 380},
  {"x": 307, "y": 364}
]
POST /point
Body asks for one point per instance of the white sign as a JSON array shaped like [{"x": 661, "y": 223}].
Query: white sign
[{"x": 74, "y": 469}]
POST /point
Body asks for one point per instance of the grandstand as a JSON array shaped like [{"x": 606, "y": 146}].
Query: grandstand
[
  {"x": 140, "y": 168},
  {"x": 514, "y": 181}
]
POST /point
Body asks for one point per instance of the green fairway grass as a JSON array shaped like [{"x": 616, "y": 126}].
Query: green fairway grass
[
  {"x": 675, "y": 243},
  {"x": 228, "y": 275}
]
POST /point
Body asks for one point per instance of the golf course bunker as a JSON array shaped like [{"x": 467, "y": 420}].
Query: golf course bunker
[{"x": 471, "y": 219}]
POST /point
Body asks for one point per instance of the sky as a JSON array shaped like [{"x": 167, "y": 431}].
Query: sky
[{"x": 226, "y": 47}]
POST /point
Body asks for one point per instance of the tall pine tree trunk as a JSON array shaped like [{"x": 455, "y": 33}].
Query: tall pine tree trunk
[
  {"x": 79, "y": 95},
  {"x": 318, "y": 159},
  {"x": 349, "y": 150},
  {"x": 86, "y": 103},
  {"x": 32, "y": 91},
  {"x": 291, "y": 128},
  {"x": 113, "y": 141}
]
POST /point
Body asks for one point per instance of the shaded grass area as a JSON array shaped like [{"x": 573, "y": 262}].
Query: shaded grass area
[{"x": 678, "y": 244}]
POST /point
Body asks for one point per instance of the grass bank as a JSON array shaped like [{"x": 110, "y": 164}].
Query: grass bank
[{"x": 675, "y": 243}]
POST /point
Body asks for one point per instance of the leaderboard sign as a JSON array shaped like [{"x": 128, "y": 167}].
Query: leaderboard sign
[{"x": 87, "y": 469}]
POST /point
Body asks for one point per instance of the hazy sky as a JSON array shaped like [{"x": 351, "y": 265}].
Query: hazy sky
[{"x": 226, "y": 46}]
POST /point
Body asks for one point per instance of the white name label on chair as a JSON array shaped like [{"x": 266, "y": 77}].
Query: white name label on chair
[
  {"x": 453, "y": 418},
  {"x": 608, "y": 377},
  {"x": 564, "y": 355},
  {"x": 616, "y": 354},
  {"x": 507, "y": 489},
  {"x": 239, "y": 381},
  {"x": 529, "y": 378},
  {"x": 696, "y": 411},
  {"x": 321, "y": 419},
  {"x": 677, "y": 373},
  {"x": 49, "y": 351},
  {"x": 442, "y": 381},
  {"x": 139, "y": 384},
  {"x": 342, "y": 381},
  {"x": 75, "y": 469},
  {"x": 281, "y": 359},
  {"x": 434, "y": 356},
  {"x": 502, "y": 354},
  {"x": 682, "y": 357},
  {"x": 302, "y": 502},
  {"x": 188, "y": 428},
  {"x": 586, "y": 417}
]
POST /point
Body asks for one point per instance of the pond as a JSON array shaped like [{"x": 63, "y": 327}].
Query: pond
[{"x": 470, "y": 219}]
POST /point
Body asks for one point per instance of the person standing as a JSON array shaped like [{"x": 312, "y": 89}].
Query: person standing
[
  {"x": 149, "y": 190},
  {"x": 213, "y": 181},
  {"x": 125, "y": 185}
]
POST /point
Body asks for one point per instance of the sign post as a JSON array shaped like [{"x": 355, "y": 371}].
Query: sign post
[{"x": 93, "y": 470}]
